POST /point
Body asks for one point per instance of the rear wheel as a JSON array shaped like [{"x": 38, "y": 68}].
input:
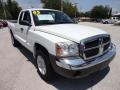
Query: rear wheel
[
  {"x": 106, "y": 22},
  {"x": 44, "y": 66}
]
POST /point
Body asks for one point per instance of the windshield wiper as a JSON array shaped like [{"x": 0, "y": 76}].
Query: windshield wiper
[
  {"x": 64, "y": 22},
  {"x": 52, "y": 23}
]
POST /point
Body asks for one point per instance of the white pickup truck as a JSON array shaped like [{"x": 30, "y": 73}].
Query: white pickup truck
[{"x": 60, "y": 46}]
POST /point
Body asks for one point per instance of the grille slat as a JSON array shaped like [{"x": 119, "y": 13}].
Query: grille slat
[
  {"x": 92, "y": 52},
  {"x": 91, "y": 44},
  {"x": 106, "y": 47},
  {"x": 91, "y": 48},
  {"x": 106, "y": 39},
  {"x": 96, "y": 47}
]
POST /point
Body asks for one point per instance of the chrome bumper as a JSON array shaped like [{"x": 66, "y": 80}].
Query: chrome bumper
[{"x": 77, "y": 63}]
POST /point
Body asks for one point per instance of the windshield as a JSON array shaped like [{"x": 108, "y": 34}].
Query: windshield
[{"x": 48, "y": 17}]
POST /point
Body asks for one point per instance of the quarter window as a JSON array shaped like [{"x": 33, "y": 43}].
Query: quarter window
[
  {"x": 20, "y": 19},
  {"x": 24, "y": 16}
]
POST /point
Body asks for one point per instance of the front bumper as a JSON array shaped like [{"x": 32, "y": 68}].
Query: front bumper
[{"x": 75, "y": 67}]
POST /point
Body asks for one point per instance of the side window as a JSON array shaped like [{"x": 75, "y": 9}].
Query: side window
[
  {"x": 20, "y": 19},
  {"x": 27, "y": 16}
]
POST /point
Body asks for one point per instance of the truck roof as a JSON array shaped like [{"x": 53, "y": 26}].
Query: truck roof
[{"x": 31, "y": 9}]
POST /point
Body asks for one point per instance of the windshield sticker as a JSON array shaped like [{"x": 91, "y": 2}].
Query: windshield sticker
[
  {"x": 45, "y": 17},
  {"x": 36, "y": 12}
]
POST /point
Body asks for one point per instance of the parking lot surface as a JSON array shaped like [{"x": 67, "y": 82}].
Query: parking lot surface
[{"x": 18, "y": 71}]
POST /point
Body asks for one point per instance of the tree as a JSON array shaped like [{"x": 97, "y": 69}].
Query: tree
[
  {"x": 11, "y": 9},
  {"x": 87, "y": 14},
  {"x": 1, "y": 10},
  {"x": 69, "y": 9},
  {"x": 52, "y": 4},
  {"x": 56, "y": 4},
  {"x": 101, "y": 12}
]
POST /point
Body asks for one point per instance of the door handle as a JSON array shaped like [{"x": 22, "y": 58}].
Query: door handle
[{"x": 21, "y": 30}]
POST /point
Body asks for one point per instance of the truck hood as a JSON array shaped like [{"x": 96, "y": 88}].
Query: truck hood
[{"x": 73, "y": 32}]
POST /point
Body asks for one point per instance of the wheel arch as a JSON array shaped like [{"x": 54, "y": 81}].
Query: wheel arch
[{"x": 38, "y": 46}]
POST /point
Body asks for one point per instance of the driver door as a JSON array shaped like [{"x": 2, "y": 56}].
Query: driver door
[{"x": 24, "y": 29}]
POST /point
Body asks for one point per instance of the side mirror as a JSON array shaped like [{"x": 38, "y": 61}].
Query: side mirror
[
  {"x": 24, "y": 22},
  {"x": 75, "y": 21}
]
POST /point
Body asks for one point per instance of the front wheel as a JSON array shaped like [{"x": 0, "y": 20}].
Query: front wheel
[{"x": 44, "y": 66}]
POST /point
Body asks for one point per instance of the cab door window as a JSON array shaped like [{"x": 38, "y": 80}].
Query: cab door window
[{"x": 27, "y": 17}]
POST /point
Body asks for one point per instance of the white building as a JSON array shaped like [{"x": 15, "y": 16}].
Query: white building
[{"x": 116, "y": 15}]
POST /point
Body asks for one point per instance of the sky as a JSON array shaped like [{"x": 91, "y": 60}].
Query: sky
[
  {"x": 86, "y": 5},
  {"x": 83, "y": 5}
]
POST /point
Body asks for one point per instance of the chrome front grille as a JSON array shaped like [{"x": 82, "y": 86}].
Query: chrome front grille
[{"x": 95, "y": 46}]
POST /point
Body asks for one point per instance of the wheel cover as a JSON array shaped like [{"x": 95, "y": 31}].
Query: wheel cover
[{"x": 41, "y": 65}]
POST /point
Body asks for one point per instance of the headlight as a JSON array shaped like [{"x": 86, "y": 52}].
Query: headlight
[{"x": 67, "y": 49}]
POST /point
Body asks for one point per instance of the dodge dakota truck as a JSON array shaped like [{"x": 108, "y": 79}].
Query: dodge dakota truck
[{"x": 59, "y": 45}]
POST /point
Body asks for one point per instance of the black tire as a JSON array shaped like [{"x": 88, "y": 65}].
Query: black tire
[
  {"x": 106, "y": 22},
  {"x": 15, "y": 43},
  {"x": 50, "y": 74}
]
